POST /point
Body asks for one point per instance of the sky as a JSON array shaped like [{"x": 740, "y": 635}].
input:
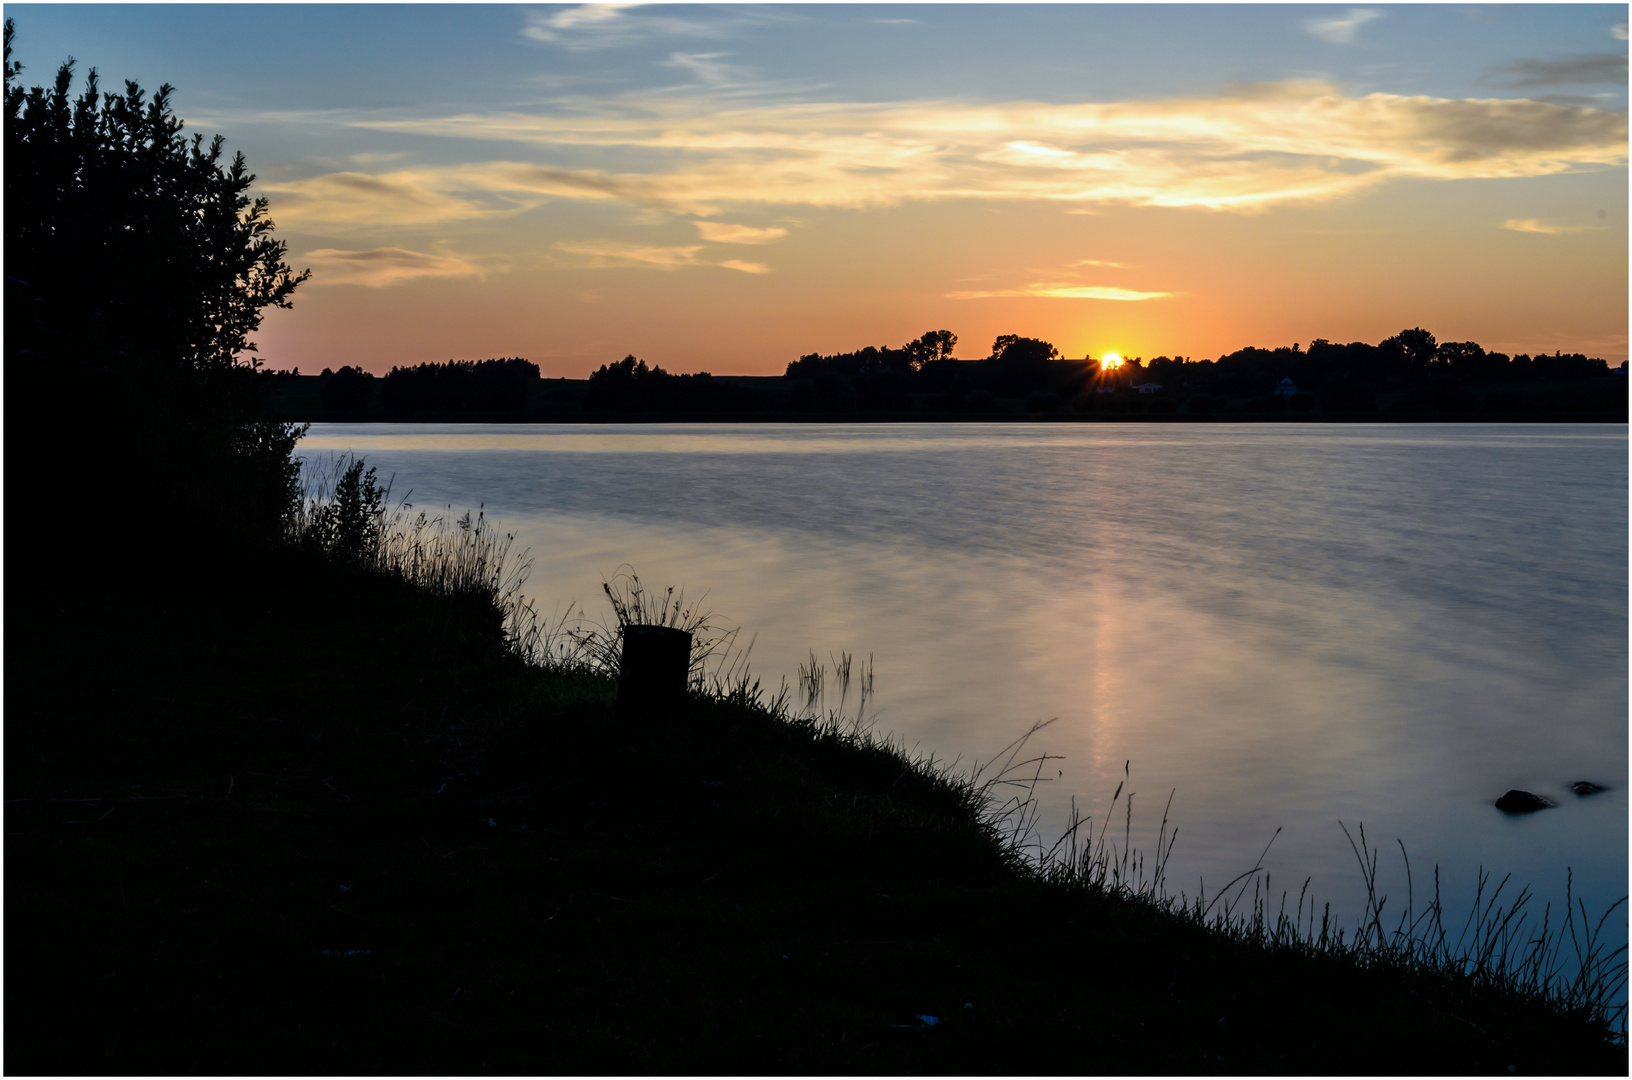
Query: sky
[{"x": 727, "y": 188}]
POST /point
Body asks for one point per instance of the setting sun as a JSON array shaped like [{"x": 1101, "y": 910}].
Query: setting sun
[{"x": 1110, "y": 362}]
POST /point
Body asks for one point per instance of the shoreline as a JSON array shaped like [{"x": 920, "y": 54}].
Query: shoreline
[{"x": 401, "y": 849}]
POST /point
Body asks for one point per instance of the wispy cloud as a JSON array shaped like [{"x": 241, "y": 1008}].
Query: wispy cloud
[
  {"x": 1341, "y": 31},
  {"x": 613, "y": 253},
  {"x": 379, "y": 267},
  {"x": 353, "y": 200},
  {"x": 1061, "y": 291},
  {"x": 1618, "y": 31},
  {"x": 1251, "y": 149},
  {"x": 601, "y": 26},
  {"x": 707, "y": 68},
  {"x": 586, "y": 26},
  {"x": 1568, "y": 71},
  {"x": 1531, "y": 225},
  {"x": 721, "y": 233},
  {"x": 375, "y": 159},
  {"x": 1097, "y": 262}
]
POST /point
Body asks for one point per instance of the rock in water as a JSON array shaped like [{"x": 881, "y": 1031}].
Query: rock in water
[
  {"x": 1585, "y": 787},
  {"x": 1521, "y": 802}
]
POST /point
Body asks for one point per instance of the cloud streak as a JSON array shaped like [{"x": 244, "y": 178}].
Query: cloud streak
[
  {"x": 380, "y": 267},
  {"x": 1531, "y": 225},
  {"x": 586, "y": 26},
  {"x": 1249, "y": 150},
  {"x": 719, "y": 232},
  {"x": 707, "y": 68},
  {"x": 601, "y": 26},
  {"x": 353, "y": 200},
  {"x": 614, "y": 253}
]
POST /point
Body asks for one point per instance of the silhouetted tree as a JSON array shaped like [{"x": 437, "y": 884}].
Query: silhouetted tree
[
  {"x": 1019, "y": 365},
  {"x": 344, "y": 390},
  {"x": 932, "y": 346},
  {"x": 874, "y": 378},
  {"x": 1416, "y": 345},
  {"x": 499, "y": 385},
  {"x": 630, "y": 386}
]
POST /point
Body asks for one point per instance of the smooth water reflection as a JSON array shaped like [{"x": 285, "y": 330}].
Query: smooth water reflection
[{"x": 1290, "y": 625}]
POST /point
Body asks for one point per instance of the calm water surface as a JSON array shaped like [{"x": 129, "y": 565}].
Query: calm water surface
[{"x": 1292, "y": 626}]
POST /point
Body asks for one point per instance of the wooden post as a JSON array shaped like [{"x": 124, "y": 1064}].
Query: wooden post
[{"x": 653, "y": 671}]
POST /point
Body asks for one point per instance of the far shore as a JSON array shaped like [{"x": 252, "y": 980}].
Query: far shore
[{"x": 300, "y": 399}]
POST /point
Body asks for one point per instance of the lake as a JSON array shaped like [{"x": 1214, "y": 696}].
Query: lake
[{"x": 1290, "y": 626}]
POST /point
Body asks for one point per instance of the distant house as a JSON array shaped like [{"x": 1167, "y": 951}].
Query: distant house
[
  {"x": 1148, "y": 387},
  {"x": 1286, "y": 388}
]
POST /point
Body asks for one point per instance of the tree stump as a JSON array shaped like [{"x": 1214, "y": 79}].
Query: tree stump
[{"x": 653, "y": 671}]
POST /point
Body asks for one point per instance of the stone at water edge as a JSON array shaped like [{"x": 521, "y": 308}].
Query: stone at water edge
[
  {"x": 1521, "y": 802},
  {"x": 1586, "y": 787}
]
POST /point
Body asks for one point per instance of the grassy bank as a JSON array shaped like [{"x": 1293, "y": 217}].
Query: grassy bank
[{"x": 317, "y": 819}]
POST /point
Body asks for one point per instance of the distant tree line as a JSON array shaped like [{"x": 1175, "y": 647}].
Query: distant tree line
[
  {"x": 1410, "y": 355},
  {"x": 457, "y": 386},
  {"x": 1409, "y": 373},
  {"x": 630, "y": 386},
  {"x": 1411, "y": 370}
]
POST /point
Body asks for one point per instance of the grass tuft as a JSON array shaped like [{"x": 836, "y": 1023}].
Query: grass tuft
[{"x": 1503, "y": 948}]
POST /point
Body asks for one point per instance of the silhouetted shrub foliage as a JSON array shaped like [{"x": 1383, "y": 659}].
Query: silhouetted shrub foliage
[{"x": 137, "y": 267}]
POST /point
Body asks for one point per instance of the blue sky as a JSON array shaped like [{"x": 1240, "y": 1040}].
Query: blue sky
[{"x": 434, "y": 56}]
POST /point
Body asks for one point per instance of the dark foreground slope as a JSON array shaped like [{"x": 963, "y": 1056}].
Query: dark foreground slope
[{"x": 306, "y": 824}]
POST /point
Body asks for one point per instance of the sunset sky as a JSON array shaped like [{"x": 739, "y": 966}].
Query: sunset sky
[{"x": 725, "y": 188}]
